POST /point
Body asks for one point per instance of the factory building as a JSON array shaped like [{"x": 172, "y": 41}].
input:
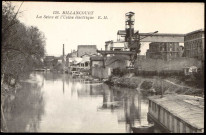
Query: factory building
[
  {"x": 164, "y": 50},
  {"x": 194, "y": 44}
]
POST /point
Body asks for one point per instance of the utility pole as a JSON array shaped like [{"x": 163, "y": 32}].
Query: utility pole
[{"x": 159, "y": 76}]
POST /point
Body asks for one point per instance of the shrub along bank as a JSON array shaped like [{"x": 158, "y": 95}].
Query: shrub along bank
[{"x": 160, "y": 85}]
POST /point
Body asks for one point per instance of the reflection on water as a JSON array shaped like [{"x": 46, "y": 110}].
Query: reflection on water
[
  {"x": 23, "y": 112},
  {"x": 51, "y": 102}
]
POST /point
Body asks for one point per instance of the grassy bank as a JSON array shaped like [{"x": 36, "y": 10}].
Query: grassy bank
[{"x": 165, "y": 85}]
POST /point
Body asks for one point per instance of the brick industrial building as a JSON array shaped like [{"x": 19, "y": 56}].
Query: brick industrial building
[
  {"x": 194, "y": 44},
  {"x": 86, "y": 49},
  {"x": 164, "y": 50}
]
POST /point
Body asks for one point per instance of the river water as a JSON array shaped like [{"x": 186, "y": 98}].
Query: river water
[{"x": 52, "y": 102}]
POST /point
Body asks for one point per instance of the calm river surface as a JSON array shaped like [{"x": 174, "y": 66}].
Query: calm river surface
[{"x": 51, "y": 102}]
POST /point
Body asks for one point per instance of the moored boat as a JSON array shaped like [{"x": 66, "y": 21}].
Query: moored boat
[{"x": 144, "y": 128}]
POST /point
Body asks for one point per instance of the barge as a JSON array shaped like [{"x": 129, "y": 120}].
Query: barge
[{"x": 177, "y": 113}]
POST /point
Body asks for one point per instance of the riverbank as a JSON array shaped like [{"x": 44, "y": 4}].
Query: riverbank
[
  {"x": 160, "y": 85},
  {"x": 7, "y": 96}
]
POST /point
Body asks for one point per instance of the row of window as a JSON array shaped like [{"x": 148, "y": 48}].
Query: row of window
[
  {"x": 163, "y": 43},
  {"x": 193, "y": 44},
  {"x": 193, "y": 54},
  {"x": 164, "y": 48}
]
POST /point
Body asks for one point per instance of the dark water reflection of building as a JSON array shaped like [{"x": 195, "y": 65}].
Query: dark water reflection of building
[{"x": 126, "y": 103}]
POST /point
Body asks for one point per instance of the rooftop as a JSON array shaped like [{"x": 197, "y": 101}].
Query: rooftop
[
  {"x": 188, "y": 108},
  {"x": 123, "y": 32},
  {"x": 88, "y": 54},
  {"x": 49, "y": 57},
  {"x": 92, "y": 46},
  {"x": 196, "y": 31},
  {"x": 96, "y": 58}
]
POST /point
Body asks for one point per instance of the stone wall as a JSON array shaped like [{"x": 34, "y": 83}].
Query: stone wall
[{"x": 158, "y": 64}]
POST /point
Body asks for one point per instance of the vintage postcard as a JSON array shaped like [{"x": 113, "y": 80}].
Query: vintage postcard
[{"x": 83, "y": 67}]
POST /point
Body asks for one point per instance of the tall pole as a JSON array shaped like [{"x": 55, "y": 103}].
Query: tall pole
[
  {"x": 63, "y": 61},
  {"x": 159, "y": 76}
]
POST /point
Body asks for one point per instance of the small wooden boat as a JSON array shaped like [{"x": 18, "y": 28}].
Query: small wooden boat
[
  {"x": 144, "y": 128},
  {"x": 75, "y": 73},
  {"x": 93, "y": 83}
]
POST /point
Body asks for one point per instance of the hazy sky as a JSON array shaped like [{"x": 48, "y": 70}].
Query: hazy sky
[{"x": 149, "y": 17}]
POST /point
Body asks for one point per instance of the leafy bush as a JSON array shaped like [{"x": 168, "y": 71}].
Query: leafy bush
[
  {"x": 146, "y": 85},
  {"x": 121, "y": 72}
]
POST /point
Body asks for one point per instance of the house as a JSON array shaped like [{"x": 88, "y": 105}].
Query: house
[
  {"x": 85, "y": 63},
  {"x": 69, "y": 57},
  {"x": 190, "y": 70},
  {"x": 96, "y": 61},
  {"x": 116, "y": 46}
]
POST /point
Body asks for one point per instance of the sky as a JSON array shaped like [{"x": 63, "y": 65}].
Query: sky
[{"x": 179, "y": 18}]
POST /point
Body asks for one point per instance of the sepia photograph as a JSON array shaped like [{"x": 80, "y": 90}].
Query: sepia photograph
[{"x": 102, "y": 67}]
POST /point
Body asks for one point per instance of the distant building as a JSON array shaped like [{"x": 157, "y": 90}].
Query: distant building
[
  {"x": 48, "y": 61},
  {"x": 164, "y": 50},
  {"x": 59, "y": 59},
  {"x": 49, "y": 58},
  {"x": 194, "y": 44},
  {"x": 116, "y": 46},
  {"x": 73, "y": 54},
  {"x": 85, "y": 63},
  {"x": 86, "y": 49},
  {"x": 108, "y": 45},
  {"x": 52, "y": 62},
  {"x": 96, "y": 61}
]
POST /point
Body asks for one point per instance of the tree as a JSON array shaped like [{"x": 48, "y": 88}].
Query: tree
[{"x": 23, "y": 47}]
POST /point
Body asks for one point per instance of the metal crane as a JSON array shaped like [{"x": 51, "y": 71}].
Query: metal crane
[{"x": 135, "y": 46}]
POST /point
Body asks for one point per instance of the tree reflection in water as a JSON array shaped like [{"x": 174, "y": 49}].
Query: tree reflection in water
[{"x": 26, "y": 109}]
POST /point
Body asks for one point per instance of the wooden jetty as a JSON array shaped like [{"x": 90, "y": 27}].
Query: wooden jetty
[{"x": 177, "y": 113}]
